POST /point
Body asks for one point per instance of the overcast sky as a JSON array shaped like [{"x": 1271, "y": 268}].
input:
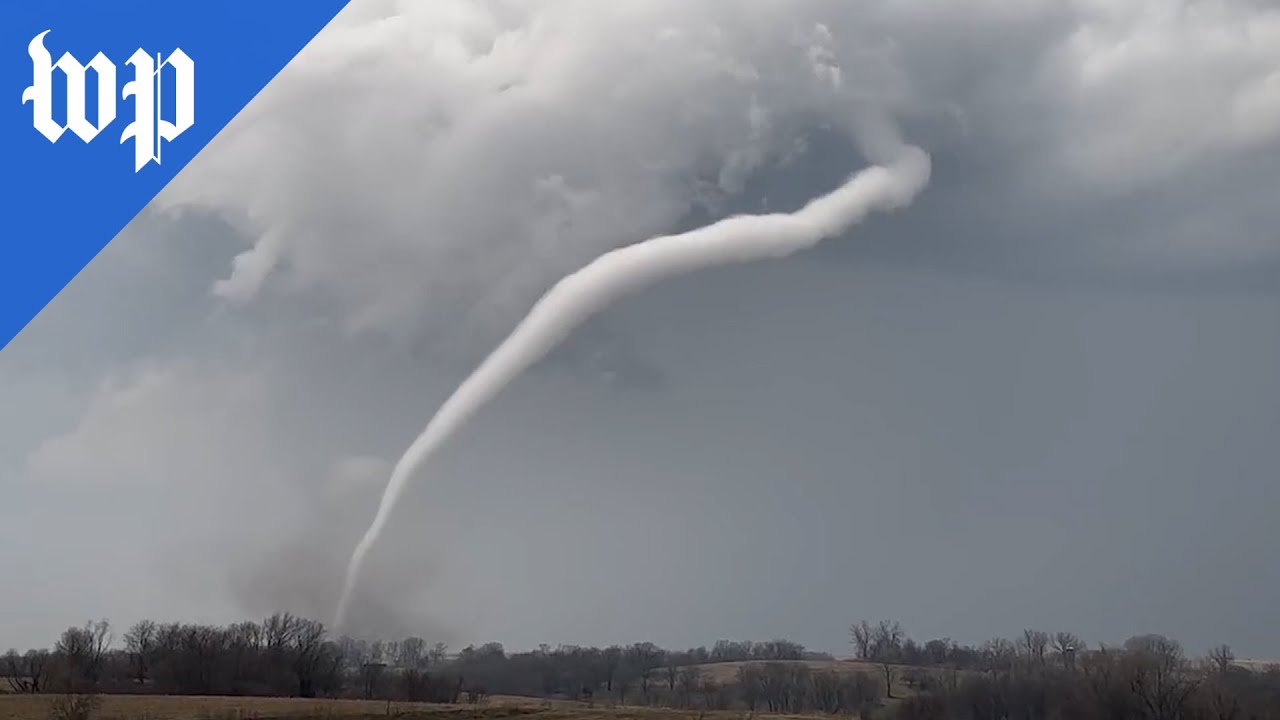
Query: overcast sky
[{"x": 1044, "y": 395}]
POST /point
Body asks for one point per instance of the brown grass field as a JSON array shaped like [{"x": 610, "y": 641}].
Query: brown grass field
[{"x": 166, "y": 707}]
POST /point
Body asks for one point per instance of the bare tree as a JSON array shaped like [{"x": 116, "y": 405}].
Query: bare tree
[
  {"x": 391, "y": 652},
  {"x": 371, "y": 678},
  {"x": 415, "y": 685},
  {"x": 277, "y": 633},
  {"x": 886, "y": 649},
  {"x": 714, "y": 695},
  {"x": 1067, "y": 647},
  {"x": 413, "y": 652},
  {"x": 1034, "y": 644},
  {"x": 1222, "y": 658},
  {"x": 688, "y": 682},
  {"x": 308, "y": 656},
  {"x": 438, "y": 653},
  {"x": 27, "y": 673},
  {"x": 998, "y": 655},
  {"x": 1155, "y": 668},
  {"x": 886, "y": 639},
  {"x": 644, "y": 658},
  {"x": 937, "y": 652},
  {"x": 751, "y": 685},
  {"x": 329, "y": 679},
  {"x": 244, "y": 644},
  {"x": 83, "y": 650},
  {"x": 860, "y": 637},
  {"x": 140, "y": 643},
  {"x": 622, "y": 684},
  {"x": 611, "y": 658},
  {"x": 889, "y": 670}
]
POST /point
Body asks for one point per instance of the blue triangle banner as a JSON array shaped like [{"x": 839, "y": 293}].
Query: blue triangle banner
[{"x": 102, "y": 103}]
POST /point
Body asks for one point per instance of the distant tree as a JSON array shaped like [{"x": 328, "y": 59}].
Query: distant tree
[
  {"x": 714, "y": 695},
  {"x": 937, "y": 652},
  {"x": 912, "y": 653},
  {"x": 751, "y": 686},
  {"x": 825, "y": 694},
  {"x": 27, "y": 673},
  {"x": 671, "y": 670},
  {"x": 140, "y": 643},
  {"x": 355, "y": 652},
  {"x": 243, "y": 649},
  {"x": 611, "y": 659},
  {"x": 378, "y": 652},
  {"x": 644, "y": 658},
  {"x": 860, "y": 635},
  {"x": 1067, "y": 647},
  {"x": 778, "y": 649},
  {"x": 730, "y": 650},
  {"x": 415, "y": 685},
  {"x": 391, "y": 652},
  {"x": 1155, "y": 670},
  {"x": 622, "y": 684},
  {"x": 1222, "y": 658},
  {"x": 277, "y": 634},
  {"x": 413, "y": 653},
  {"x": 688, "y": 683},
  {"x": 886, "y": 649},
  {"x": 1034, "y": 645},
  {"x": 308, "y": 654},
  {"x": 371, "y": 679},
  {"x": 202, "y": 647},
  {"x": 438, "y": 653},
  {"x": 886, "y": 639},
  {"x": 329, "y": 677},
  {"x": 83, "y": 650}
]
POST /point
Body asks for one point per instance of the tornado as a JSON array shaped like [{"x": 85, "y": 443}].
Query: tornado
[{"x": 885, "y": 187}]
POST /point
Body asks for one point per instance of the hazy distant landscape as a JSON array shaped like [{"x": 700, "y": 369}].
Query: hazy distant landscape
[{"x": 291, "y": 667}]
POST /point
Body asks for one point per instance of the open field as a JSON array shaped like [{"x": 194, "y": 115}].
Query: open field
[{"x": 168, "y": 707}]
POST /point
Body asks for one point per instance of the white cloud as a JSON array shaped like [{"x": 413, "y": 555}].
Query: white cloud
[
  {"x": 1151, "y": 87},
  {"x": 447, "y": 159},
  {"x": 452, "y": 157}
]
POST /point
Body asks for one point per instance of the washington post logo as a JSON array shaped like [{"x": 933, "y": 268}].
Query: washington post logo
[{"x": 148, "y": 130}]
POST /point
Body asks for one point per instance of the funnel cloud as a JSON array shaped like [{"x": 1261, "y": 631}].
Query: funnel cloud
[{"x": 741, "y": 238}]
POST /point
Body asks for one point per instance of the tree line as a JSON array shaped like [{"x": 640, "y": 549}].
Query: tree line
[
  {"x": 1036, "y": 675},
  {"x": 1041, "y": 675},
  {"x": 293, "y": 656}
]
